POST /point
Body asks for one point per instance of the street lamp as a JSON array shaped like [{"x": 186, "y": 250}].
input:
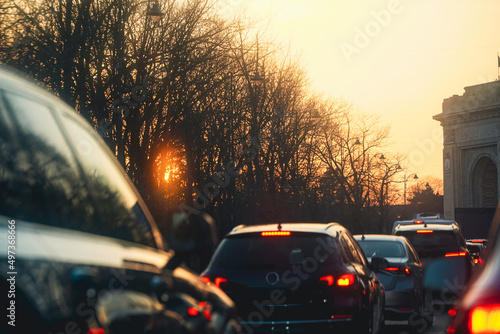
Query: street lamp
[
  {"x": 155, "y": 12},
  {"x": 286, "y": 187},
  {"x": 415, "y": 177}
]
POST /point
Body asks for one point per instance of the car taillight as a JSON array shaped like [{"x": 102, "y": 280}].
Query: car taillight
[
  {"x": 418, "y": 222},
  {"x": 478, "y": 261},
  {"x": 345, "y": 280},
  {"x": 485, "y": 319},
  {"x": 328, "y": 279},
  {"x": 217, "y": 281},
  {"x": 425, "y": 231},
  {"x": 403, "y": 270},
  {"x": 455, "y": 254},
  {"x": 207, "y": 310},
  {"x": 276, "y": 233},
  {"x": 193, "y": 311},
  {"x": 95, "y": 331}
]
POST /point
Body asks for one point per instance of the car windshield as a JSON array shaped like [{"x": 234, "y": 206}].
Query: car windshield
[
  {"x": 256, "y": 252},
  {"x": 382, "y": 248},
  {"x": 437, "y": 241}
]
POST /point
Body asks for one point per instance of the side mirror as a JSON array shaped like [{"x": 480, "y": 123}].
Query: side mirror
[
  {"x": 378, "y": 264},
  {"x": 191, "y": 233}
]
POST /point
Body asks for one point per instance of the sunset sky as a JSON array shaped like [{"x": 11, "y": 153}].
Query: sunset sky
[{"x": 394, "y": 58}]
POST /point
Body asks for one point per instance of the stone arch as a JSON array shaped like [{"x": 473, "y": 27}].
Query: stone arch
[{"x": 484, "y": 183}]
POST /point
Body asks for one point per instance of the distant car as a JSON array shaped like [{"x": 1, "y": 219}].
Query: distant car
[
  {"x": 298, "y": 277},
  {"x": 80, "y": 252},
  {"x": 477, "y": 251},
  {"x": 424, "y": 220},
  {"x": 478, "y": 310},
  {"x": 443, "y": 252},
  {"x": 403, "y": 278},
  {"x": 427, "y": 215}
]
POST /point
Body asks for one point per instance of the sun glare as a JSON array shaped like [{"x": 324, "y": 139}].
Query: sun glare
[{"x": 167, "y": 175}]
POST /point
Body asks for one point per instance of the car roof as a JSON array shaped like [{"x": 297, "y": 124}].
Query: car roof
[
  {"x": 328, "y": 228},
  {"x": 16, "y": 81},
  {"x": 435, "y": 227},
  {"x": 388, "y": 237},
  {"x": 428, "y": 220}
]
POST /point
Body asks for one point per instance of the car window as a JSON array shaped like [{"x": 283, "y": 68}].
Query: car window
[
  {"x": 382, "y": 248},
  {"x": 117, "y": 211},
  {"x": 436, "y": 241},
  {"x": 352, "y": 251},
  {"x": 412, "y": 255},
  {"x": 274, "y": 253},
  {"x": 360, "y": 256},
  {"x": 39, "y": 177}
]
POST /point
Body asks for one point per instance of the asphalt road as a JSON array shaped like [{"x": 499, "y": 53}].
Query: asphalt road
[{"x": 441, "y": 322}]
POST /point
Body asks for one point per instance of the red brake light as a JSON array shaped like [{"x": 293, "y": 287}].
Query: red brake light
[
  {"x": 425, "y": 231},
  {"x": 206, "y": 310},
  {"x": 485, "y": 319},
  {"x": 206, "y": 280},
  {"x": 276, "y": 233},
  {"x": 400, "y": 270},
  {"x": 345, "y": 280},
  {"x": 478, "y": 261},
  {"x": 193, "y": 311},
  {"x": 455, "y": 254},
  {"x": 477, "y": 241},
  {"x": 328, "y": 279},
  {"x": 95, "y": 331},
  {"x": 418, "y": 222},
  {"x": 219, "y": 281},
  {"x": 452, "y": 312}
]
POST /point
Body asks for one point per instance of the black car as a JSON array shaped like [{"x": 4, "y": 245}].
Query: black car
[
  {"x": 298, "y": 277},
  {"x": 80, "y": 252},
  {"x": 443, "y": 252},
  {"x": 478, "y": 310},
  {"x": 403, "y": 277}
]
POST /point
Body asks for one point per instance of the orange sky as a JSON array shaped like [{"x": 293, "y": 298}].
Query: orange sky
[{"x": 394, "y": 58}]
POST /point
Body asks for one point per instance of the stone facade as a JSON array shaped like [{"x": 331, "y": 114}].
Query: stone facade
[{"x": 471, "y": 154}]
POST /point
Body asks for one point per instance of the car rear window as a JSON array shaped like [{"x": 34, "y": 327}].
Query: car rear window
[
  {"x": 382, "y": 248},
  {"x": 436, "y": 241},
  {"x": 254, "y": 252}
]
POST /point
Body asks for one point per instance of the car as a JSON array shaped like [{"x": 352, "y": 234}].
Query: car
[
  {"x": 424, "y": 220},
  {"x": 81, "y": 253},
  {"x": 403, "y": 278},
  {"x": 478, "y": 309},
  {"x": 448, "y": 266},
  {"x": 298, "y": 277},
  {"x": 477, "y": 252},
  {"x": 427, "y": 215}
]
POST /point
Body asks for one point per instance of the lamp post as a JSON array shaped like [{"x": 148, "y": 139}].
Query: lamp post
[{"x": 405, "y": 180}]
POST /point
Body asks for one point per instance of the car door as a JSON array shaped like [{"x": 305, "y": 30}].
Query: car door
[{"x": 83, "y": 232}]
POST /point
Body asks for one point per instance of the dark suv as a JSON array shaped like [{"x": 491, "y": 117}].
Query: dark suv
[
  {"x": 443, "y": 252},
  {"x": 298, "y": 277},
  {"x": 80, "y": 252}
]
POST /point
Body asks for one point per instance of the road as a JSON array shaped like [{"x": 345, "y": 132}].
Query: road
[{"x": 441, "y": 322}]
